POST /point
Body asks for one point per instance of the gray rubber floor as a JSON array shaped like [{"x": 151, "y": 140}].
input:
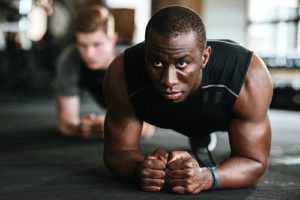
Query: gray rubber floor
[{"x": 36, "y": 162}]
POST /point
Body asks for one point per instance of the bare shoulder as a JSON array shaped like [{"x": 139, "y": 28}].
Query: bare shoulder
[
  {"x": 115, "y": 90},
  {"x": 256, "y": 93}
]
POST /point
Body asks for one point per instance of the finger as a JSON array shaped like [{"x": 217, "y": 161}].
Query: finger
[
  {"x": 84, "y": 128},
  {"x": 180, "y": 164},
  {"x": 91, "y": 116},
  {"x": 161, "y": 154},
  {"x": 86, "y": 133},
  {"x": 178, "y": 155},
  {"x": 85, "y": 136},
  {"x": 155, "y": 174},
  {"x": 152, "y": 182},
  {"x": 95, "y": 131},
  {"x": 180, "y": 182},
  {"x": 99, "y": 129},
  {"x": 151, "y": 188},
  {"x": 179, "y": 174},
  {"x": 150, "y": 157},
  {"x": 154, "y": 163},
  {"x": 183, "y": 190},
  {"x": 178, "y": 189},
  {"x": 88, "y": 128},
  {"x": 99, "y": 132},
  {"x": 86, "y": 122},
  {"x": 100, "y": 119}
]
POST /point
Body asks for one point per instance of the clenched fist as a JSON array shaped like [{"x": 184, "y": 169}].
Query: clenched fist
[
  {"x": 185, "y": 174},
  {"x": 181, "y": 171},
  {"x": 152, "y": 171},
  {"x": 91, "y": 126}
]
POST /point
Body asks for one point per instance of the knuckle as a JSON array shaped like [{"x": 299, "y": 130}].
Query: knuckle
[
  {"x": 147, "y": 163},
  {"x": 189, "y": 181},
  {"x": 186, "y": 153},
  {"x": 189, "y": 189},
  {"x": 145, "y": 188},
  {"x": 188, "y": 164},
  {"x": 143, "y": 182},
  {"x": 189, "y": 172},
  {"x": 162, "y": 174},
  {"x": 156, "y": 175},
  {"x": 151, "y": 188},
  {"x": 144, "y": 172},
  {"x": 159, "y": 182}
]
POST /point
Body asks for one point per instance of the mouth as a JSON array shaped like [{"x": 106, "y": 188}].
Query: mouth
[
  {"x": 171, "y": 95},
  {"x": 91, "y": 62},
  {"x": 92, "y": 65}
]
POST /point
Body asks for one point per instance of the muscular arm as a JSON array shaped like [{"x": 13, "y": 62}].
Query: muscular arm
[
  {"x": 250, "y": 141},
  {"x": 250, "y": 132},
  {"x": 122, "y": 128}
]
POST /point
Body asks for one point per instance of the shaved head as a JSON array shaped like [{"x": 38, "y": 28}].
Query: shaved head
[{"x": 176, "y": 20}]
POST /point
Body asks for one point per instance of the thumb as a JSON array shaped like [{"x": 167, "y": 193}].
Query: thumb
[
  {"x": 178, "y": 155},
  {"x": 91, "y": 116},
  {"x": 161, "y": 154}
]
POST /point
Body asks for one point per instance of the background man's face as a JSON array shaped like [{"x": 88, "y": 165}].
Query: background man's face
[
  {"x": 174, "y": 65},
  {"x": 96, "y": 49}
]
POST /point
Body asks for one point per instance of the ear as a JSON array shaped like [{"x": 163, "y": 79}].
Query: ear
[
  {"x": 205, "y": 56},
  {"x": 114, "y": 38}
]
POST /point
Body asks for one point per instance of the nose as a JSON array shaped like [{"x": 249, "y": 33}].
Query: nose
[
  {"x": 90, "y": 51},
  {"x": 169, "y": 78}
]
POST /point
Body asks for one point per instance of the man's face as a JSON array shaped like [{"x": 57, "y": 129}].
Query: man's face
[
  {"x": 174, "y": 64},
  {"x": 96, "y": 49}
]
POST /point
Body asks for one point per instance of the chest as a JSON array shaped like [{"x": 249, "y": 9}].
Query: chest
[{"x": 206, "y": 111}]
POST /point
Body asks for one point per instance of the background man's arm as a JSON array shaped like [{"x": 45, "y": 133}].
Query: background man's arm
[
  {"x": 67, "y": 109},
  {"x": 69, "y": 122}
]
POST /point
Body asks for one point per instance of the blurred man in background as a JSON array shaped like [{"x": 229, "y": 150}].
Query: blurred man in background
[{"x": 83, "y": 66}]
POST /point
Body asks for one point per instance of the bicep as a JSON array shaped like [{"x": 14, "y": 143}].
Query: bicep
[
  {"x": 122, "y": 127},
  {"x": 251, "y": 139},
  {"x": 250, "y": 132}
]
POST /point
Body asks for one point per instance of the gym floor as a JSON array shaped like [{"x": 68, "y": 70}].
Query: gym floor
[{"x": 36, "y": 162}]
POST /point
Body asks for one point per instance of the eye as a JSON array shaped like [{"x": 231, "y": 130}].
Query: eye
[
  {"x": 181, "y": 64},
  {"x": 81, "y": 45},
  {"x": 98, "y": 44},
  {"x": 157, "y": 63}
]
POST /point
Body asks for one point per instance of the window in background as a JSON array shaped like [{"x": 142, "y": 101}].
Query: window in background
[
  {"x": 273, "y": 29},
  {"x": 274, "y": 34},
  {"x": 142, "y": 14}
]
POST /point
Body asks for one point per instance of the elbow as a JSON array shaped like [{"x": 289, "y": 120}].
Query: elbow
[
  {"x": 107, "y": 158},
  {"x": 112, "y": 166},
  {"x": 260, "y": 169}
]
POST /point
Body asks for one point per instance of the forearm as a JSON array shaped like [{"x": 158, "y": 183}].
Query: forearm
[
  {"x": 124, "y": 164},
  {"x": 147, "y": 130},
  {"x": 67, "y": 114},
  {"x": 239, "y": 172}
]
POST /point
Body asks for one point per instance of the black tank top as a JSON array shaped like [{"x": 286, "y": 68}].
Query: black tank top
[{"x": 206, "y": 110}]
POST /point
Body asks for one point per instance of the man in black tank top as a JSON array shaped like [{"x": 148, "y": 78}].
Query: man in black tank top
[{"x": 179, "y": 80}]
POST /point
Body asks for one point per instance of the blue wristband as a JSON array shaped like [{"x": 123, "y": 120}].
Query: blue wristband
[{"x": 216, "y": 178}]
